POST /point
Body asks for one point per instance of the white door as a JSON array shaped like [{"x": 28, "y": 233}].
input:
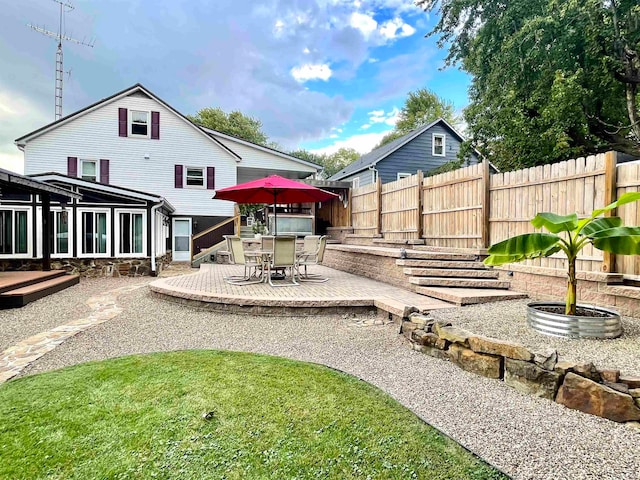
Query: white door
[{"x": 181, "y": 239}]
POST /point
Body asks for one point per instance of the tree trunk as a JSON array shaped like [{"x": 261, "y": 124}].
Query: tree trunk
[
  {"x": 632, "y": 109},
  {"x": 571, "y": 289}
]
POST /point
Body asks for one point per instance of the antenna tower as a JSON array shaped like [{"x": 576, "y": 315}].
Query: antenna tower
[{"x": 61, "y": 37}]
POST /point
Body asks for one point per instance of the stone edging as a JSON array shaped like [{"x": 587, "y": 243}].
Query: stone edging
[
  {"x": 583, "y": 387},
  {"x": 14, "y": 359}
]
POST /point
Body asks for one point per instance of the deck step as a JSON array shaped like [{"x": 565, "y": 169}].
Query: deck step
[
  {"x": 469, "y": 296},
  {"x": 13, "y": 280},
  {"x": 459, "y": 282},
  {"x": 19, "y": 297},
  {"x": 420, "y": 255},
  {"x": 410, "y": 262},
  {"x": 448, "y": 272}
]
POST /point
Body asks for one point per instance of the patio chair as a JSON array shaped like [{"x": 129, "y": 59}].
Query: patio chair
[
  {"x": 312, "y": 258},
  {"x": 283, "y": 258},
  {"x": 240, "y": 257},
  {"x": 267, "y": 243},
  {"x": 311, "y": 243}
]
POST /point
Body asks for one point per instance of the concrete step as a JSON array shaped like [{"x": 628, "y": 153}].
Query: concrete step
[
  {"x": 450, "y": 272},
  {"x": 410, "y": 262},
  {"x": 459, "y": 282},
  {"x": 469, "y": 296},
  {"x": 21, "y": 296},
  {"x": 426, "y": 255}
]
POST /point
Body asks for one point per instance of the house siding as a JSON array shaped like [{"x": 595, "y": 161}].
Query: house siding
[
  {"x": 94, "y": 135},
  {"x": 366, "y": 177},
  {"x": 417, "y": 155}
]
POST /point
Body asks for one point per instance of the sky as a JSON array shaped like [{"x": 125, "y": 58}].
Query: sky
[{"x": 318, "y": 74}]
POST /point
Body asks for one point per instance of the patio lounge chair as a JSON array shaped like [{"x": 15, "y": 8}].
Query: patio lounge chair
[
  {"x": 283, "y": 258},
  {"x": 240, "y": 257},
  {"x": 312, "y": 258}
]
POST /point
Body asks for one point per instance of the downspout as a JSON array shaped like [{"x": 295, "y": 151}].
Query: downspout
[{"x": 154, "y": 209}]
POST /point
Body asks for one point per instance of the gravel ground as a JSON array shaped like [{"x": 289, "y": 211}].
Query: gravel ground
[
  {"x": 507, "y": 321},
  {"x": 527, "y": 437},
  {"x": 20, "y": 323}
]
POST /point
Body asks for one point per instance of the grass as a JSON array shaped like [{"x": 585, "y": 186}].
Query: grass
[{"x": 267, "y": 417}]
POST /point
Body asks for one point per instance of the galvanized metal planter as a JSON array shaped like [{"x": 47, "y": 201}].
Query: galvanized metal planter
[{"x": 574, "y": 326}]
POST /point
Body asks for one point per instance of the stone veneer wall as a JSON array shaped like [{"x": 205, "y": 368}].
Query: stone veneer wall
[
  {"x": 381, "y": 268},
  {"x": 93, "y": 267},
  {"x": 605, "y": 393}
]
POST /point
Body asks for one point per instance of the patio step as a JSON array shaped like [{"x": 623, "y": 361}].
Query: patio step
[
  {"x": 19, "y": 297},
  {"x": 469, "y": 296},
  {"x": 459, "y": 282},
  {"x": 451, "y": 264},
  {"x": 450, "y": 272},
  {"x": 445, "y": 256},
  {"x": 13, "y": 280}
]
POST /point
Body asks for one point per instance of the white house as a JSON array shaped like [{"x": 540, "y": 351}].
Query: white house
[{"x": 134, "y": 141}]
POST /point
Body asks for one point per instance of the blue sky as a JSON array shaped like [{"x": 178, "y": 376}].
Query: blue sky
[{"x": 319, "y": 74}]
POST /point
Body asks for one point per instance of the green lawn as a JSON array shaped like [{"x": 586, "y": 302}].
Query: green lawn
[{"x": 142, "y": 417}]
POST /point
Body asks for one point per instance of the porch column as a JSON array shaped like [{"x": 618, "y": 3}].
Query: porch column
[{"x": 46, "y": 232}]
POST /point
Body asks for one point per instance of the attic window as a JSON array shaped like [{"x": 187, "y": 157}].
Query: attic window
[
  {"x": 438, "y": 145},
  {"x": 139, "y": 123}
]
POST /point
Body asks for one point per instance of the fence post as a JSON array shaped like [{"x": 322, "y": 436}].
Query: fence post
[
  {"x": 486, "y": 203},
  {"x": 610, "y": 167},
  {"x": 419, "y": 213},
  {"x": 379, "y": 204}
]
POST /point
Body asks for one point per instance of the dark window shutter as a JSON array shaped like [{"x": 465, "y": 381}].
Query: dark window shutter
[
  {"x": 72, "y": 166},
  {"x": 179, "y": 180},
  {"x": 155, "y": 125},
  {"x": 211, "y": 178},
  {"x": 104, "y": 171},
  {"x": 122, "y": 122}
]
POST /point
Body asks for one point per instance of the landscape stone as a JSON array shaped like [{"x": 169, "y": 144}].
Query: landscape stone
[
  {"x": 620, "y": 387},
  {"x": 564, "y": 366},
  {"x": 478, "y": 363},
  {"x": 632, "y": 381},
  {"x": 609, "y": 375},
  {"x": 420, "y": 319},
  {"x": 453, "y": 334},
  {"x": 433, "y": 340},
  {"x": 580, "y": 393},
  {"x": 634, "y": 392},
  {"x": 432, "y": 351},
  {"x": 588, "y": 370},
  {"x": 481, "y": 344},
  {"x": 532, "y": 379},
  {"x": 546, "y": 359}
]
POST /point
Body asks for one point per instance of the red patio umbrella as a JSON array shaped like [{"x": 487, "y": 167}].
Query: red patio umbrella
[{"x": 274, "y": 189}]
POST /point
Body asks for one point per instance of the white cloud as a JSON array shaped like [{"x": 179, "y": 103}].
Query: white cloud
[
  {"x": 361, "y": 143},
  {"x": 306, "y": 51},
  {"x": 380, "y": 116},
  {"x": 311, "y": 72},
  {"x": 334, "y": 135},
  {"x": 373, "y": 60},
  {"x": 363, "y": 22},
  {"x": 395, "y": 28},
  {"x": 365, "y": 126},
  {"x": 392, "y": 117}
]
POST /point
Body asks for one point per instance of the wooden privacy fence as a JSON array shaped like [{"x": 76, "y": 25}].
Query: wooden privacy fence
[{"x": 469, "y": 208}]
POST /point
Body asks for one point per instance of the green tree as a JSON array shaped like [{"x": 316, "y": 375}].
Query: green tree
[
  {"x": 235, "y": 123},
  {"x": 551, "y": 79},
  {"x": 420, "y": 108},
  {"x": 331, "y": 163}
]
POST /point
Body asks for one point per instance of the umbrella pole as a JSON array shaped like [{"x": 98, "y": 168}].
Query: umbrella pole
[{"x": 275, "y": 214}]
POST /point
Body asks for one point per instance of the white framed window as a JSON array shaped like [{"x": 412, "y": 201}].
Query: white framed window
[
  {"x": 139, "y": 123},
  {"x": 355, "y": 183},
  {"x": 402, "y": 175},
  {"x": 94, "y": 233},
  {"x": 15, "y": 232},
  {"x": 438, "y": 144},
  {"x": 61, "y": 241},
  {"x": 89, "y": 170},
  {"x": 194, "y": 177},
  {"x": 131, "y": 233}
]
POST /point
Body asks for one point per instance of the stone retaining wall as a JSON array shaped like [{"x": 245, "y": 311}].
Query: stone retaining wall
[
  {"x": 381, "y": 268},
  {"x": 606, "y": 393},
  {"x": 92, "y": 267}
]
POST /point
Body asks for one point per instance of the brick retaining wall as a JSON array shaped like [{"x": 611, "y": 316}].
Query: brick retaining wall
[{"x": 381, "y": 268}]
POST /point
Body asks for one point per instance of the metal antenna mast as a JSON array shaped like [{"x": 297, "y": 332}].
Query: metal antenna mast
[{"x": 60, "y": 36}]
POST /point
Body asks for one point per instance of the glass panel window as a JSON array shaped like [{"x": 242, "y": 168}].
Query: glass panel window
[
  {"x": 13, "y": 232},
  {"x": 195, "y": 177},
  {"x": 438, "y": 145},
  {"x": 94, "y": 232},
  {"x": 60, "y": 241},
  {"x": 89, "y": 170},
  {"x": 6, "y": 231},
  {"x": 139, "y": 123},
  {"x": 131, "y": 233}
]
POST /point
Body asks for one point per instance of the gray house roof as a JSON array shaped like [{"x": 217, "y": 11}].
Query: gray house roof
[{"x": 379, "y": 154}]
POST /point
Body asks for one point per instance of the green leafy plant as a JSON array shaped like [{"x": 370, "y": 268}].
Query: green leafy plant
[
  {"x": 570, "y": 234},
  {"x": 259, "y": 227}
]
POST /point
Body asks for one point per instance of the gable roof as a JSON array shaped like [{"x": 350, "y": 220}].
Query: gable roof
[
  {"x": 384, "y": 151},
  {"x": 264, "y": 148},
  {"x": 20, "y": 142},
  {"x": 22, "y": 182}
]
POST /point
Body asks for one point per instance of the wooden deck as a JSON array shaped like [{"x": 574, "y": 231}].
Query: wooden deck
[{"x": 20, "y": 288}]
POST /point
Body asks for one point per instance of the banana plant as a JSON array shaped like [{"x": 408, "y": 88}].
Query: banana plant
[{"x": 569, "y": 234}]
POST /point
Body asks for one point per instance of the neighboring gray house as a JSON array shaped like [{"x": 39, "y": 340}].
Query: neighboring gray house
[{"x": 424, "y": 148}]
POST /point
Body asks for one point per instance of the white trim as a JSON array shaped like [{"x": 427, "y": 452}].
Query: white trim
[
  {"x": 81, "y": 162},
  {"x": 401, "y": 175},
  {"x": 173, "y": 237},
  {"x": 355, "y": 183},
  {"x": 13, "y": 209},
  {"x": 116, "y": 213},
  {"x": 195, "y": 187},
  {"x": 130, "y": 123},
  {"x": 80, "y": 233},
  {"x": 70, "y": 233},
  {"x": 444, "y": 144}
]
